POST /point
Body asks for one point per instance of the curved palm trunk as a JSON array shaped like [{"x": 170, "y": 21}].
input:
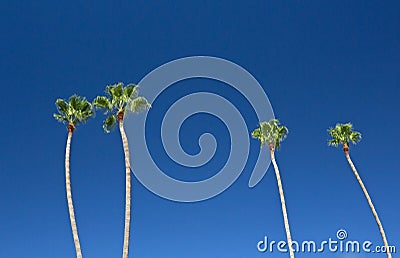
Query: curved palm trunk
[
  {"x": 283, "y": 203},
  {"x": 127, "y": 189},
  {"x": 371, "y": 205},
  {"x": 69, "y": 194}
]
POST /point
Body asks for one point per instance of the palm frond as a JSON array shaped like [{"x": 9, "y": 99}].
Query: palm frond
[
  {"x": 60, "y": 118},
  {"x": 258, "y": 135},
  {"x": 109, "y": 123},
  {"x": 74, "y": 102},
  {"x": 116, "y": 94},
  {"x": 62, "y": 106},
  {"x": 336, "y": 139},
  {"x": 138, "y": 104},
  {"x": 85, "y": 111},
  {"x": 130, "y": 92},
  {"x": 103, "y": 103},
  {"x": 355, "y": 137},
  {"x": 282, "y": 133}
]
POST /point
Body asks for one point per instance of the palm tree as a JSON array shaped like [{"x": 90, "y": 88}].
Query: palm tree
[
  {"x": 118, "y": 100},
  {"x": 343, "y": 134},
  {"x": 77, "y": 110},
  {"x": 271, "y": 133}
]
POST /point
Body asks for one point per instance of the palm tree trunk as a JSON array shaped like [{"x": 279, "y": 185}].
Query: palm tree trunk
[
  {"x": 371, "y": 205},
  {"x": 127, "y": 190},
  {"x": 285, "y": 216},
  {"x": 69, "y": 195}
]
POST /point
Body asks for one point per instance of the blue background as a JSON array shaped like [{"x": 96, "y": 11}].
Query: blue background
[{"x": 320, "y": 62}]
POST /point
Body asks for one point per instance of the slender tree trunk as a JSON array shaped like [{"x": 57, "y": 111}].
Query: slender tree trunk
[
  {"x": 69, "y": 194},
  {"x": 283, "y": 203},
  {"x": 371, "y": 205},
  {"x": 125, "y": 252}
]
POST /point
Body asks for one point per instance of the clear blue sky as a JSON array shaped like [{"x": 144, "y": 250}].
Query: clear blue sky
[{"x": 320, "y": 62}]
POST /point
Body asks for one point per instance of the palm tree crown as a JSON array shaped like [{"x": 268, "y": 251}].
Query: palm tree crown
[
  {"x": 119, "y": 99},
  {"x": 343, "y": 134},
  {"x": 77, "y": 110},
  {"x": 270, "y": 133}
]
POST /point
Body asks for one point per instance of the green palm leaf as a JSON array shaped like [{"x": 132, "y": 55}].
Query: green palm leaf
[
  {"x": 109, "y": 123},
  {"x": 62, "y": 106},
  {"x": 60, "y": 118},
  {"x": 130, "y": 92},
  {"x": 102, "y": 102},
  {"x": 138, "y": 104}
]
